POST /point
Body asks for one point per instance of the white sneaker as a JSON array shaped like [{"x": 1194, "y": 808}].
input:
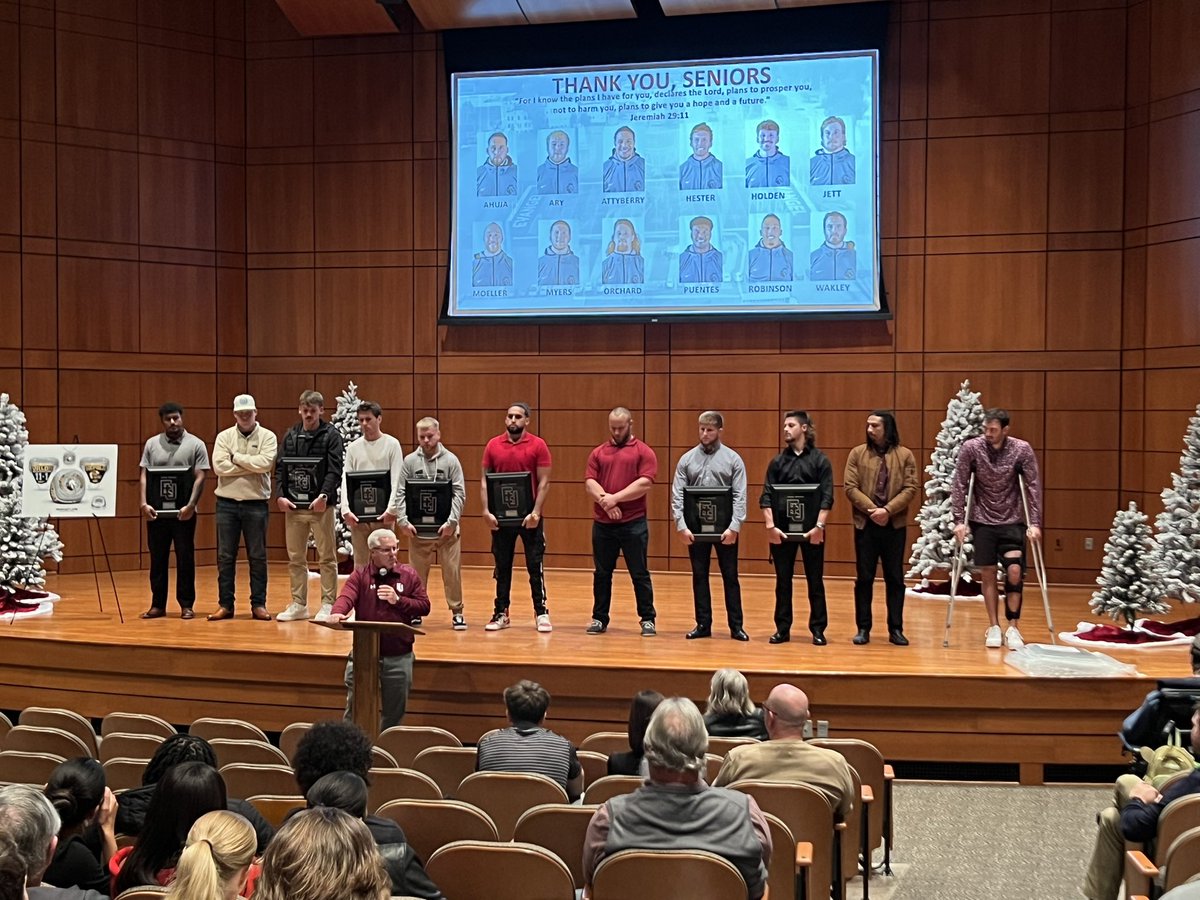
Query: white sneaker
[
  {"x": 294, "y": 613},
  {"x": 323, "y": 615},
  {"x": 1013, "y": 638},
  {"x": 543, "y": 623},
  {"x": 991, "y": 637},
  {"x": 499, "y": 620}
]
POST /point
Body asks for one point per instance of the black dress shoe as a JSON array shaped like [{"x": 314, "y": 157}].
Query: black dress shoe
[
  {"x": 187, "y": 613},
  {"x": 154, "y": 612},
  {"x": 863, "y": 637},
  {"x": 779, "y": 637},
  {"x": 698, "y": 632},
  {"x": 739, "y": 635},
  {"x": 819, "y": 638},
  {"x": 898, "y": 638}
]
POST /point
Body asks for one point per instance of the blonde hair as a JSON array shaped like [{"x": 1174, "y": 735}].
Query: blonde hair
[
  {"x": 323, "y": 854},
  {"x": 729, "y": 694},
  {"x": 220, "y": 846},
  {"x": 635, "y": 243}
]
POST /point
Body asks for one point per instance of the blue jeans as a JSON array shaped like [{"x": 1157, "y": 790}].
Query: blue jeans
[
  {"x": 237, "y": 519},
  {"x": 608, "y": 542}
]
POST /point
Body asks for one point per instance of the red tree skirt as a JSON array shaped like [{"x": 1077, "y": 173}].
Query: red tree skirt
[
  {"x": 13, "y": 609},
  {"x": 940, "y": 590},
  {"x": 1145, "y": 634}
]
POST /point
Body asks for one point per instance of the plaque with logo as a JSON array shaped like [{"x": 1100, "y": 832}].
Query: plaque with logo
[
  {"x": 427, "y": 505},
  {"x": 510, "y": 497},
  {"x": 368, "y": 493},
  {"x": 300, "y": 479},
  {"x": 795, "y": 508},
  {"x": 168, "y": 488},
  {"x": 707, "y": 512}
]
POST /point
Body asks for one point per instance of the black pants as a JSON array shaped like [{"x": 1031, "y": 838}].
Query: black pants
[
  {"x": 161, "y": 533},
  {"x": 784, "y": 557},
  {"x": 504, "y": 551},
  {"x": 700, "y": 555},
  {"x": 608, "y": 542},
  {"x": 872, "y": 544}
]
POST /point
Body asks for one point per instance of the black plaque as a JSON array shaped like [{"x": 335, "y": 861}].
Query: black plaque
[
  {"x": 368, "y": 493},
  {"x": 300, "y": 478},
  {"x": 708, "y": 511},
  {"x": 510, "y": 496},
  {"x": 169, "y": 488},
  {"x": 427, "y": 505},
  {"x": 795, "y": 508}
]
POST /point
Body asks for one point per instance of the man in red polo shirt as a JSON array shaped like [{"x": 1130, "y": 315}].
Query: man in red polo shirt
[
  {"x": 518, "y": 451},
  {"x": 619, "y": 474}
]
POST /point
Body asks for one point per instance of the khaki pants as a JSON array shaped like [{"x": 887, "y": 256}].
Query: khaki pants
[
  {"x": 449, "y": 554},
  {"x": 358, "y": 539},
  {"x": 299, "y": 524},
  {"x": 1107, "y": 866}
]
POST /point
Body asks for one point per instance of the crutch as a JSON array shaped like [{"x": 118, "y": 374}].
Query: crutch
[
  {"x": 1039, "y": 561},
  {"x": 960, "y": 560}
]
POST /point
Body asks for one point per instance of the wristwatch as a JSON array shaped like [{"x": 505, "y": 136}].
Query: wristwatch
[{"x": 821, "y": 525}]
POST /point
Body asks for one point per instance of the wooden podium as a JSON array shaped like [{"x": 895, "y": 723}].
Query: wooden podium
[{"x": 364, "y": 706}]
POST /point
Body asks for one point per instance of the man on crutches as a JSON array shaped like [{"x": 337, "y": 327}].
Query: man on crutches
[{"x": 1006, "y": 508}]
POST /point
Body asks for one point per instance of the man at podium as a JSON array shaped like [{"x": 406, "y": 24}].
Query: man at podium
[{"x": 384, "y": 590}]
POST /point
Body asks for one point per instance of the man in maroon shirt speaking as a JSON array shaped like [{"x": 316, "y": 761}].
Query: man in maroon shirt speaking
[{"x": 384, "y": 590}]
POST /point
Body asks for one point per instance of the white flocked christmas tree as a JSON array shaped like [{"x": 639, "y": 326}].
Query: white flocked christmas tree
[
  {"x": 936, "y": 547},
  {"x": 1177, "y": 542},
  {"x": 24, "y": 543},
  {"x": 1129, "y": 585},
  {"x": 345, "y": 420}
]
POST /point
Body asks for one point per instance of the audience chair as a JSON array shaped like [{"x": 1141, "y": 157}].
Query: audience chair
[
  {"x": 275, "y": 807},
  {"x": 467, "y": 870},
  {"x": 400, "y": 784},
  {"x": 448, "y": 766},
  {"x": 33, "y": 739},
  {"x": 722, "y": 745},
  {"x": 856, "y": 836},
  {"x": 712, "y": 765},
  {"x": 125, "y": 840},
  {"x": 255, "y": 752},
  {"x": 143, "y": 892},
  {"x": 595, "y": 765},
  {"x": 1180, "y": 863},
  {"x": 606, "y": 742},
  {"x": 878, "y": 776},
  {"x": 24, "y": 767},
  {"x": 610, "y": 786},
  {"x": 129, "y": 746},
  {"x": 381, "y": 759},
  {"x": 5, "y": 727},
  {"x": 404, "y": 742},
  {"x": 505, "y": 795},
  {"x": 228, "y": 729},
  {"x": 135, "y": 723},
  {"x": 121, "y": 774},
  {"x": 786, "y": 875},
  {"x": 431, "y": 824},
  {"x": 290, "y": 737},
  {"x": 244, "y": 780},
  {"x": 1141, "y": 871},
  {"x": 63, "y": 720},
  {"x": 559, "y": 829},
  {"x": 695, "y": 874}
]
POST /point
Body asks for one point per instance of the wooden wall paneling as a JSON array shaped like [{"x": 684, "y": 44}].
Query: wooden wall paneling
[
  {"x": 1083, "y": 300},
  {"x": 1133, "y": 300},
  {"x": 1172, "y": 389},
  {"x": 39, "y": 189},
  {"x": 176, "y": 93},
  {"x": 369, "y": 310},
  {"x": 10, "y": 183},
  {"x": 281, "y": 313},
  {"x": 10, "y": 65},
  {"x": 609, "y": 340},
  {"x": 363, "y": 98},
  {"x": 176, "y": 202},
  {"x": 193, "y": 18},
  {"x": 39, "y": 303},
  {"x": 177, "y": 300},
  {"x": 1087, "y": 60},
  {"x": 969, "y": 300},
  {"x": 429, "y": 287},
  {"x": 365, "y": 206},
  {"x": 565, "y": 391},
  {"x": 1171, "y": 190},
  {"x": 1084, "y": 166},
  {"x": 279, "y": 208},
  {"x": 229, "y": 92},
  {"x": 758, "y": 337},
  {"x": 97, "y": 194},
  {"x": 989, "y": 66},
  {"x": 986, "y": 185},
  {"x": 94, "y": 311},
  {"x": 1172, "y": 313},
  {"x": 1165, "y": 429},
  {"x": 1175, "y": 31},
  {"x": 37, "y": 79},
  {"x": 731, "y": 390},
  {"x": 279, "y": 102},
  {"x": 88, "y": 101},
  {"x": 231, "y": 311}
]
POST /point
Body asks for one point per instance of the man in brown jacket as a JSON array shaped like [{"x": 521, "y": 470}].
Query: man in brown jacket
[{"x": 881, "y": 481}]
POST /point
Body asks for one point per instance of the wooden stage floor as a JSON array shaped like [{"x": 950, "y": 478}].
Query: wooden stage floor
[{"x": 922, "y": 702}]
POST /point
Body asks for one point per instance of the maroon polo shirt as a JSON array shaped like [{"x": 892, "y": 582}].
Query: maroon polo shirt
[
  {"x": 526, "y": 455},
  {"x": 616, "y": 468}
]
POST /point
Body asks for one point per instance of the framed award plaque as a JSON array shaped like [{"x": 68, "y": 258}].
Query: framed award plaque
[
  {"x": 300, "y": 479},
  {"x": 795, "y": 508},
  {"x": 427, "y": 505},
  {"x": 707, "y": 511},
  {"x": 510, "y": 497},
  {"x": 368, "y": 493},
  {"x": 168, "y": 488}
]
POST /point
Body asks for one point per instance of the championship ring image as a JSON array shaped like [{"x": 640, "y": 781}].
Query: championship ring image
[
  {"x": 67, "y": 486},
  {"x": 42, "y": 467},
  {"x": 95, "y": 467}
]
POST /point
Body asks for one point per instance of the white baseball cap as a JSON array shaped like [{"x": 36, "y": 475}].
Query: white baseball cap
[{"x": 243, "y": 403}]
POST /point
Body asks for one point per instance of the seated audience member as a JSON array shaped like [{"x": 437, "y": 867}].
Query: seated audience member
[
  {"x": 323, "y": 854},
  {"x": 1187, "y": 891},
  {"x": 730, "y": 711},
  {"x": 785, "y": 757},
  {"x": 185, "y": 793},
  {"x": 217, "y": 862},
  {"x": 676, "y": 810},
  {"x": 331, "y": 747},
  {"x": 12, "y": 871},
  {"x": 634, "y": 762},
  {"x": 29, "y": 821},
  {"x": 527, "y": 746},
  {"x": 180, "y": 748},
  {"x": 1133, "y": 816},
  {"x": 348, "y": 792},
  {"x": 79, "y": 795},
  {"x": 1146, "y": 725}
]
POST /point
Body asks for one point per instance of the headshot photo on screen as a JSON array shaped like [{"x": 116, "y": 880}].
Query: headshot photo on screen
[
  {"x": 768, "y": 167},
  {"x": 832, "y": 163},
  {"x": 701, "y": 170},
  {"x": 623, "y": 263},
  {"x": 835, "y": 259},
  {"x": 701, "y": 262},
  {"x": 558, "y": 175},
  {"x": 492, "y": 267},
  {"x": 770, "y": 259},
  {"x": 497, "y": 177},
  {"x": 558, "y": 264},
  {"x": 625, "y": 170}
]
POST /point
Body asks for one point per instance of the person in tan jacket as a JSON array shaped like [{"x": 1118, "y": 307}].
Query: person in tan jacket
[{"x": 881, "y": 482}]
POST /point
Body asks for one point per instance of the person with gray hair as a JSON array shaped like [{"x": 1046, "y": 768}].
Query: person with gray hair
[
  {"x": 30, "y": 821},
  {"x": 676, "y": 810}
]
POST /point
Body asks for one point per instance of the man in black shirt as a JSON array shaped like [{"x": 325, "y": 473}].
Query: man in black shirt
[{"x": 799, "y": 463}]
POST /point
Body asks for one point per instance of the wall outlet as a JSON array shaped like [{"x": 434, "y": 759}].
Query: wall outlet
[
  {"x": 1089, "y": 544},
  {"x": 808, "y": 729},
  {"x": 822, "y": 728}
]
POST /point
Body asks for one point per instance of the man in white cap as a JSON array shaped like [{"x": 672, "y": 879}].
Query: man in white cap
[{"x": 243, "y": 457}]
